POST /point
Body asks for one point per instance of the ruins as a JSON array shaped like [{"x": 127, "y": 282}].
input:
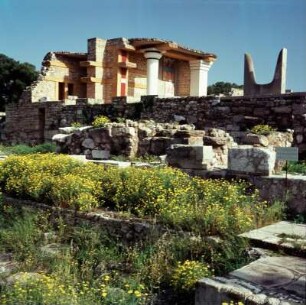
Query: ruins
[{"x": 123, "y": 67}]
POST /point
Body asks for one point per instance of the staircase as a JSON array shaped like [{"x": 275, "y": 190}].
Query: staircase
[{"x": 277, "y": 277}]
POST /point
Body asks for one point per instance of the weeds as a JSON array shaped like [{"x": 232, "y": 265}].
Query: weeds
[
  {"x": 90, "y": 267},
  {"x": 23, "y": 149}
]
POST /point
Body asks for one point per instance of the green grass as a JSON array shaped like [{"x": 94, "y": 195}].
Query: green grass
[
  {"x": 95, "y": 268},
  {"x": 297, "y": 167},
  {"x": 23, "y": 149}
]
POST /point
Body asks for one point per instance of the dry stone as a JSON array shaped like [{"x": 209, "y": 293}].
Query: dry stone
[
  {"x": 88, "y": 143},
  {"x": 254, "y": 139},
  {"x": 190, "y": 156},
  {"x": 260, "y": 161}
]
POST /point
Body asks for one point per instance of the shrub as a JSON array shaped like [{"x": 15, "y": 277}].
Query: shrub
[
  {"x": 100, "y": 121},
  {"x": 70, "y": 190},
  {"x": 186, "y": 274},
  {"x": 49, "y": 178},
  {"x": 262, "y": 129},
  {"x": 169, "y": 195},
  {"x": 76, "y": 124}
]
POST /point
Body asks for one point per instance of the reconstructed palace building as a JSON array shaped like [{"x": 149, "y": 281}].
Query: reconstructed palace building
[{"x": 123, "y": 67}]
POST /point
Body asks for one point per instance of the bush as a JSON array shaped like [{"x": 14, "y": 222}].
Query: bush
[
  {"x": 76, "y": 124},
  {"x": 262, "y": 129},
  {"x": 186, "y": 274},
  {"x": 168, "y": 195},
  {"x": 100, "y": 121}
]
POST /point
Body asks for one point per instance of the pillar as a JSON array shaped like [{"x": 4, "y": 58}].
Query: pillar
[
  {"x": 199, "y": 76},
  {"x": 153, "y": 56}
]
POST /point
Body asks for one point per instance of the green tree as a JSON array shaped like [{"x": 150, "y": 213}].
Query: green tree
[
  {"x": 222, "y": 88},
  {"x": 14, "y": 78}
]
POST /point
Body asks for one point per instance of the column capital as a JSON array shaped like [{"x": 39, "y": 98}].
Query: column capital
[{"x": 152, "y": 53}]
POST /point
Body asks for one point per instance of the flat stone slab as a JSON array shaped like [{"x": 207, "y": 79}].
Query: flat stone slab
[
  {"x": 120, "y": 164},
  {"x": 279, "y": 280},
  {"x": 283, "y": 235}
]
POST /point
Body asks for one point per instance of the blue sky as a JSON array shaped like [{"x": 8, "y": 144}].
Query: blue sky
[{"x": 228, "y": 28}]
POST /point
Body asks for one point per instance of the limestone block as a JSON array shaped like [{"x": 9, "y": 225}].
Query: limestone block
[
  {"x": 88, "y": 143},
  {"x": 280, "y": 139},
  {"x": 61, "y": 138},
  {"x": 215, "y": 141},
  {"x": 159, "y": 145},
  {"x": 260, "y": 161},
  {"x": 100, "y": 135},
  {"x": 190, "y": 156},
  {"x": 254, "y": 139},
  {"x": 189, "y": 137},
  {"x": 123, "y": 131},
  {"x": 189, "y": 133},
  {"x": 100, "y": 154},
  {"x": 67, "y": 130},
  {"x": 144, "y": 132}
]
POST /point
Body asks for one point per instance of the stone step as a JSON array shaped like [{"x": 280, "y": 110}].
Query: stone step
[
  {"x": 284, "y": 236},
  {"x": 279, "y": 280},
  {"x": 272, "y": 279}
]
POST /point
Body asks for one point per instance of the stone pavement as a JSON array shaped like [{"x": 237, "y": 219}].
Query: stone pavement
[
  {"x": 273, "y": 279},
  {"x": 286, "y": 236}
]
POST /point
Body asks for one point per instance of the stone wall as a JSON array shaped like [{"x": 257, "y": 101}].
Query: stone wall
[
  {"x": 128, "y": 230},
  {"x": 34, "y": 123},
  {"x": 235, "y": 114},
  {"x": 232, "y": 114}
]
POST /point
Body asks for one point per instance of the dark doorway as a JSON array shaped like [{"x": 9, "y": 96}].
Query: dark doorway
[
  {"x": 61, "y": 91},
  {"x": 42, "y": 123},
  {"x": 70, "y": 89}
]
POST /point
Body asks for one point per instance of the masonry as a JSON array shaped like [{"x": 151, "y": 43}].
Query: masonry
[
  {"x": 38, "y": 122},
  {"x": 236, "y": 114}
]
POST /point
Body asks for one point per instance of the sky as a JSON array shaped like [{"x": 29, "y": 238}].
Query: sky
[{"x": 228, "y": 28}]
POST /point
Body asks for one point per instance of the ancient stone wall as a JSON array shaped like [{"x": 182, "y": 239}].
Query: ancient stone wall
[
  {"x": 34, "y": 123},
  {"x": 232, "y": 114},
  {"x": 235, "y": 114}
]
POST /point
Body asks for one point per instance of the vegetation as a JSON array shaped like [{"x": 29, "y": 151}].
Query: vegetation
[
  {"x": 76, "y": 124},
  {"x": 222, "y": 88},
  {"x": 91, "y": 267},
  {"x": 297, "y": 167},
  {"x": 23, "y": 149},
  {"x": 262, "y": 129},
  {"x": 165, "y": 194},
  {"x": 100, "y": 121},
  {"x": 14, "y": 78}
]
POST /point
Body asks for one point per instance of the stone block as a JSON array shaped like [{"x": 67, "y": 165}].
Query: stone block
[
  {"x": 88, "y": 143},
  {"x": 100, "y": 154},
  {"x": 159, "y": 145},
  {"x": 215, "y": 141},
  {"x": 190, "y": 156},
  {"x": 282, "y": 109},
  {"x": 61, "y": 138},
  {"x": 258, "y": 161},
  {"x": 254, "y": 139},
  {"x": 100, "y": 135},
  {"x": 268, "y": 280}
]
